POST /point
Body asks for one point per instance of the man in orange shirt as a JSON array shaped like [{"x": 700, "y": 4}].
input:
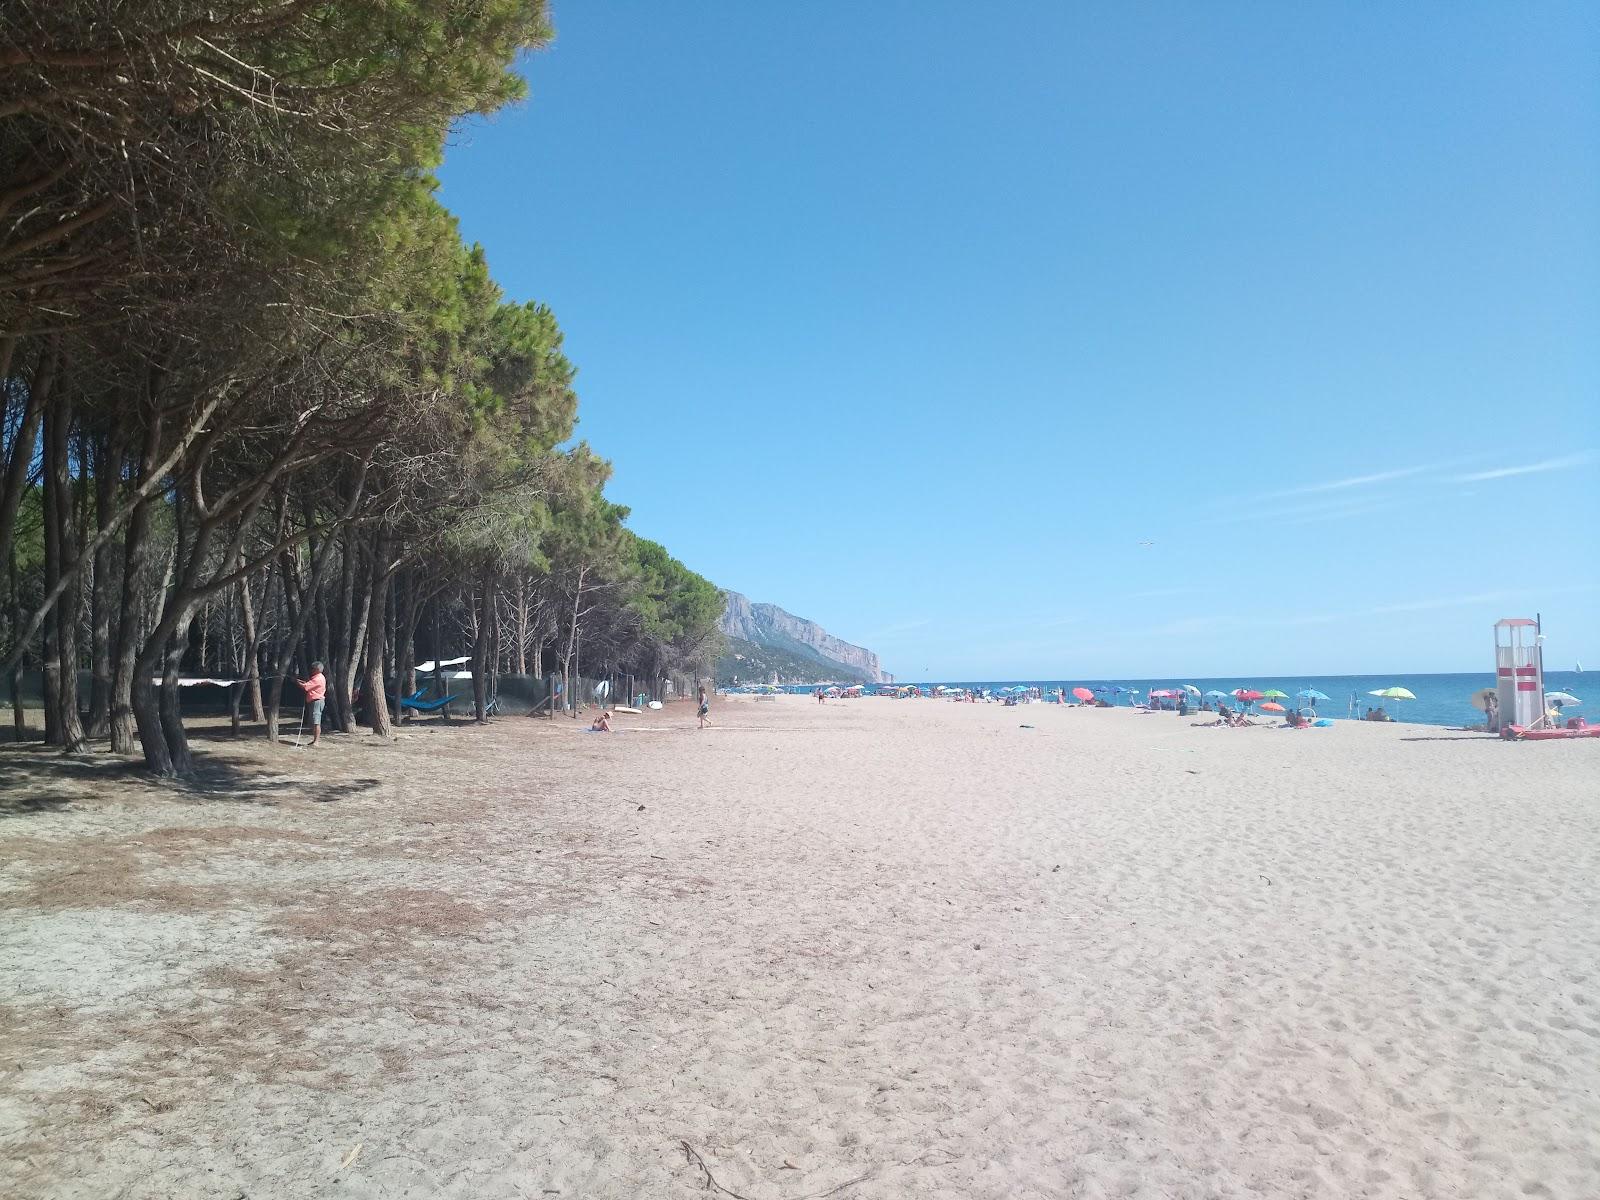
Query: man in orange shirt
[{"x": 316, "y": 689}]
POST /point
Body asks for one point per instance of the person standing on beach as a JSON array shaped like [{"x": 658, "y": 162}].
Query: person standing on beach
[
  {"x": 316, "y": 689},
  {"x": 705, "y": 708}
]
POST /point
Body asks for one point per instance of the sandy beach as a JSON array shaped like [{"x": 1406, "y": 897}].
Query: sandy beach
[{"x": 869, "y": 950}]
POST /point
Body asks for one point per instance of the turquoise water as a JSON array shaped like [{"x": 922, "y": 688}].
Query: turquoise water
[{"x": 1441, "y": 699}]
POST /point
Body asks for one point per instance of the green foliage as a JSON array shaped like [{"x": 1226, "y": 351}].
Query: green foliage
[
  {"x": 746, "y": 662},
  {"x": 234, "y": 199}
]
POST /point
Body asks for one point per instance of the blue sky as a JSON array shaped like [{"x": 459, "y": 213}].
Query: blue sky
[{"x": 1045, "y": 339}]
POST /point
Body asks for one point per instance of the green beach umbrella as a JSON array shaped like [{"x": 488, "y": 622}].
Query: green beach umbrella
[
  {"x": 1275, "y": 694},
  {"x": 1393, "y": 693}
]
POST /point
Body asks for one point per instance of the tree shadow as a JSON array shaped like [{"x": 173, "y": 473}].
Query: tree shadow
[{"x": 36, "y": 782}]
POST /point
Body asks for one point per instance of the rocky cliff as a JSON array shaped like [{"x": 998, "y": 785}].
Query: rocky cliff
[{"x": 769, "y": 626}]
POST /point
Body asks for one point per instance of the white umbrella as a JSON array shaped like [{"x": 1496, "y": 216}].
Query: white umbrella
[{"x": 1561, "y": 698}]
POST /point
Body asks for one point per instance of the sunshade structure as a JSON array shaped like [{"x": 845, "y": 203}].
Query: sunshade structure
[
  {"x": 1214, "y": 694},
  {"x": 1312, "y": 695},
  {"x": 1481, "y": 698},
  {"x": 1274, "y": 694},
  {"x": 1562, "y": 698},
  {"x": 1191, "y": 689},
  {"x": 430, "y": 665},
  {"x": 1248, "y": 695},
  {"x": 1083, "y": 693},
  {"x": 1165, "y": 693},
  {"x": 1392, "y": 693},
  {"x": 1272, "y": 706}
]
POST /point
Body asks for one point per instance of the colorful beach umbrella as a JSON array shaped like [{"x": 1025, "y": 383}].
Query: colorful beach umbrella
[
  {"x": 1247, "y": 694},
  {"x": 1311, "y": 694},
  {"x": 1393, "y": 693},
  {"x": 1272, "y": 706},
  {"x": 1274, "y": 694},
  {"x": 1083, "y": 693},
  {"x": 1191, "y": 689},
  {"x": 1213, "y": 694},
  {"x": 1561, "y": 698}
]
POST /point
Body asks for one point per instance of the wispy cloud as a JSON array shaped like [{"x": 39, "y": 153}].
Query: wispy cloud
[
  {"x": 1565, "y": 462},
  {"x": 1355, "y": 481}
]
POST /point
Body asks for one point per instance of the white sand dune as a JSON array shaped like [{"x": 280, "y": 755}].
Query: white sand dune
[{"x": 871, "y": 950}]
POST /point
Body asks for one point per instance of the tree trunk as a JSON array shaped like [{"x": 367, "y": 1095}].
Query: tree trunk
[
  {"x": 377, "y": 608},
  {"x": 480, "y": 649},
  {"x": 438, "y": 658},
  {"x": 172, "y": 731},
  {"x": 147, "y": 716},
  {"x": 131, "y": 609},
  {"x": 251, "y": 663},
  {"x": 522, "y": 624},
  {"x": 62, "y": 725},
  {"x": 19, "y": 719},
  {"x": 20, "y": 463},
  {"x": 108, "y": 475},
  {"x": 354, "y": 665},
  {"x": 570, "y": 657},
  {"x": 405, "y": 677}
]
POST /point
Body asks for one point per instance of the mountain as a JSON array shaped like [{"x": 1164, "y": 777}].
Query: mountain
[
  {"x": 763, "y": 639},
  {"x": 746, "y": 662}
]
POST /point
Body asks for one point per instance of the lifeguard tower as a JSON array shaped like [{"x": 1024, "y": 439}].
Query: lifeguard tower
[{"x": 1519, "y": 672}]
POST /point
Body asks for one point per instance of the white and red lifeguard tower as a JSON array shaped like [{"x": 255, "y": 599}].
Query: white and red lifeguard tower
[{"x": 1519, "y": 671}]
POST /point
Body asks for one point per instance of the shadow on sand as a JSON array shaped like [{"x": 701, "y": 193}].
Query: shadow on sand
[{"x": 36, "y": 781}]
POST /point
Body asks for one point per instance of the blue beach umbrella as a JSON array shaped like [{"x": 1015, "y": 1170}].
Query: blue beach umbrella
[
  {"x": 1214, "y": 694},
  {"x": 1311, "y": 694}
]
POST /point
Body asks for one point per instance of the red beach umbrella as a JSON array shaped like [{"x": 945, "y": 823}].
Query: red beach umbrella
[
  {"x": 1083, "y": 693},
  {"x": 1247, "y": 694},
  {"x": 1272, "y": 706}
]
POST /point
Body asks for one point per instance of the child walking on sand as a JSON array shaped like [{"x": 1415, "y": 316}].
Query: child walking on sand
[{"x": 705, "y": 708}]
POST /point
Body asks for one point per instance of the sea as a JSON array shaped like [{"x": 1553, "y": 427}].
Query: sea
[{"x": 1440, "y": 699}]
